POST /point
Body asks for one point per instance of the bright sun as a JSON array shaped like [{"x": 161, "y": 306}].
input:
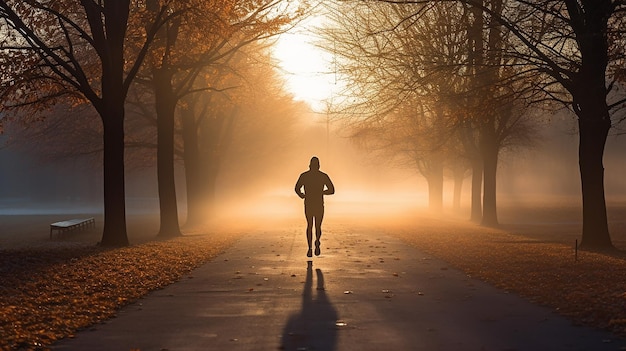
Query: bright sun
[{"x": 306, "y": 68}]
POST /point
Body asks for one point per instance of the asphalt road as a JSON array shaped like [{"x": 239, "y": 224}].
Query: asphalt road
[{"x": 366, "y": 291}]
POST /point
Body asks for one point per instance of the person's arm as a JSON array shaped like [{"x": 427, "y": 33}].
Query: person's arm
[
  {"x": 330, "y": 188},
  {"x": 298, "y": 187}
]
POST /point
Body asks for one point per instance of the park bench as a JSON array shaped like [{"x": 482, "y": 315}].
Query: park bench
[{"x": 72, "y": 224}]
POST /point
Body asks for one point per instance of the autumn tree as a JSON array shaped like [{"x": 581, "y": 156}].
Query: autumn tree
[
  {"x": 208, "y": 123},
  {"x": 208, "y": 33},
  {"x": 243, "y": 126},
  {"x": 235, "y": 119},
  {"x": 78, "y": 48}
]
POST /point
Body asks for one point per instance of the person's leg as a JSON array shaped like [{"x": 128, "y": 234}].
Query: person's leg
[
  {"x": 309, "y": 231},
  {"x": 318, "y": 230}
]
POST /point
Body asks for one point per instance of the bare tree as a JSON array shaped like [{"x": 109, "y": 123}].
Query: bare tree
[
  {"x": 576, "y": 49},
  {"x": 426, "y": 55},
  {"x": 391, "y": 112}
]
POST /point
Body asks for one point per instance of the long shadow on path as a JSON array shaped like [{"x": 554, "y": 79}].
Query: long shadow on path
[{"x": 313, "y": 327}]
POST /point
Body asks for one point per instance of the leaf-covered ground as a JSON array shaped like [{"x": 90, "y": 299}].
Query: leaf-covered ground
[
  {"x": 590, "y": 289},
  {"x": 50, "y": 293}
]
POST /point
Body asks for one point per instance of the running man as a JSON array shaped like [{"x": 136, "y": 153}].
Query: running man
[{"x": 316, "y": 184}]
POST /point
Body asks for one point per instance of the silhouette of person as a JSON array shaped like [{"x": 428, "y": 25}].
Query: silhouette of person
[{"x": 316, "y": 184}]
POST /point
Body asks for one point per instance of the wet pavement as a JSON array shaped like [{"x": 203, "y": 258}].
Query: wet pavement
[{"x": 366, "y": 291}]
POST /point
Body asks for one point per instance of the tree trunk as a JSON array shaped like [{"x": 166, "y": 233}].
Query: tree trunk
[
  {"x": 165, "y": 102},
  {"x": 210, "y": 188},
  {"x": 589, "y": 91},
  {"x": 435, "y": 187},
  {"x": 114, "y": 233},
  {"x": 111, "y": 110},
  {"x": 489, "y": 150},
  {"x": 593, "y": 135},
  {"x": 220, "y": 136},
  {"x": 191, "y": 159},
  {"x": 477, "y": 187},
  {"x": 459, "y": 175}
]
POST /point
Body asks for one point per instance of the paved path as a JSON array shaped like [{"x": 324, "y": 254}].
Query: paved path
[{"x": 366, "y": 291}]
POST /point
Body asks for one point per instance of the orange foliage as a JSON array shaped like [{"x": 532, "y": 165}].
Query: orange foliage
[{"x": 47, "y": 295}]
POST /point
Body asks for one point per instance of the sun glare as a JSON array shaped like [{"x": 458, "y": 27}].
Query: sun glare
[{"x": 307, "y": 69}]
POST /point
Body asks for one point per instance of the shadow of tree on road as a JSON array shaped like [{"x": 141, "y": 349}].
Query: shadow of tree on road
[{"x": 313, "y": 327}]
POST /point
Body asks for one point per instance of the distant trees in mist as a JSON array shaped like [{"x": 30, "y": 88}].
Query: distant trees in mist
[
  {"x": 441, "y": 84},
  {"x": 182, "y": 57}
]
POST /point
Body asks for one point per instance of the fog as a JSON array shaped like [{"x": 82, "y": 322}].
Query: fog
[
  {"x": 548, "y": 171},
  {"x": 545, "y": 174},
  {"x": 363, "y": 185},
  {"x": 263, "y": 185}
]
